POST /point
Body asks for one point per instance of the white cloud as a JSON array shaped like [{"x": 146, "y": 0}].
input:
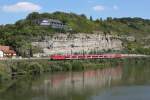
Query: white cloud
[
  {"x": 99, "y": 8},
  {"x": 21, "y": 7},
  {"x": 115, "y": 7}
]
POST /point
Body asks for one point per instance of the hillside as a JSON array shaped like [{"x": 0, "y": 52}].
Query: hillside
[{"x": 23, "y": 32}]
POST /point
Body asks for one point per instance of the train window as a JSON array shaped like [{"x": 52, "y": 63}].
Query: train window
[
  {"x": 95, "y": 56},
  {"x": 74, "y": 56},
  {"x": 80, "y": 56},
  {"x": 100, "y": 56},
  {"x": 67, "y": 56}
]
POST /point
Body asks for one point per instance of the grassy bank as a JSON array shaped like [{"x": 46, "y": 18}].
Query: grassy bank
[{"x": 10, "y": 69}]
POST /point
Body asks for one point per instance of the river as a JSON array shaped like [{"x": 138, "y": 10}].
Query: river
[{"x": 124, "y": 81}]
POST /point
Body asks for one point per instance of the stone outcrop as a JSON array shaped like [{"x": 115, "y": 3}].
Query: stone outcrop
[{"x": 78, "y": 43}]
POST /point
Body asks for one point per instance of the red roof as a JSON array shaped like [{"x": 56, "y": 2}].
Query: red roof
[
  {"x": 7, "y": 50},
  {"x": 3, "y": 48}
]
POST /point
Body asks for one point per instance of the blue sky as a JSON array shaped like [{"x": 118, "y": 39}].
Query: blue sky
[{"x": 13, "y": 10}]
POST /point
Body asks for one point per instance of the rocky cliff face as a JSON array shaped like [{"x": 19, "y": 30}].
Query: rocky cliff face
[{"x": 78, "y": 43}]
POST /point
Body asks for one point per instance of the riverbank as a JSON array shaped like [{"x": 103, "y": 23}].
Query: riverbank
[
  {"x": 127, "y": 73},
  {"x": 12, "y": 70}
]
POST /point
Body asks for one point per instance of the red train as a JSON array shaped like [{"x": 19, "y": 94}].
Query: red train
[{"x": 85, "y": 56}]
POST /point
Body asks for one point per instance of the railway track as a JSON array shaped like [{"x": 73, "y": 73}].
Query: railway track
[{"x": 69, "y": 57}]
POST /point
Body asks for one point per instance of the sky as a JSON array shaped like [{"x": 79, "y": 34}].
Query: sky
[{"x": 13, "y": 10}]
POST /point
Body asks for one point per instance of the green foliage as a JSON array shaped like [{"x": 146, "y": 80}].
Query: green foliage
[
  {"x": 20, "y": 34},
  {"x": 77, "y": 65},
  {"x": 19, "y": 69},
  {"x": 133, "y": 47},
  {"x": 34, "y": 68},
  {"x": 66, "y": 66},
  {"x": 4, "y": 73},
  {"x": 56, "y": 67}
]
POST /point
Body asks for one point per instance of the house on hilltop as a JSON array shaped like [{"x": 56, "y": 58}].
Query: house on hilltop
[
  {"x": 6, "y": 51},
  {"x": 57, "y": 24}
]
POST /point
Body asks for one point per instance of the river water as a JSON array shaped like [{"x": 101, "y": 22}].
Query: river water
[{"x": 124, "y": 81}]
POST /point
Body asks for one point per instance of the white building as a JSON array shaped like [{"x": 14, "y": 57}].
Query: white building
[
  {"x": 1, "y": 54},
  {"x": 53, "y": 23}
]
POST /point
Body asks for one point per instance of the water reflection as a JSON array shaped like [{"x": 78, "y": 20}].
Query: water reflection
[
  {"x": 78, "y": 81},
  {"x": 122, "y": 82},
  {"x": 61, "y": 86}
]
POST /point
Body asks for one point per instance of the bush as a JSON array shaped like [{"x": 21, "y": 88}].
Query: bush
[
  {"x": 56, "y": 67},
  {"x": 66, "y": 66},
  {"x": 34, "y": 68},
  {"x": 77, "y": 65},
  {"x": 4, "y": 73}
]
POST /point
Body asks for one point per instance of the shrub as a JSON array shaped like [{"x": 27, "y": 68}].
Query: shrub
[
  {"x": 66, "y": 66},
  {"x": 34, "y": 68},
  {"x": 56, "y": 67},
  {"x": 76, "y": 65},
  {"x": 4, "y": 73}
]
